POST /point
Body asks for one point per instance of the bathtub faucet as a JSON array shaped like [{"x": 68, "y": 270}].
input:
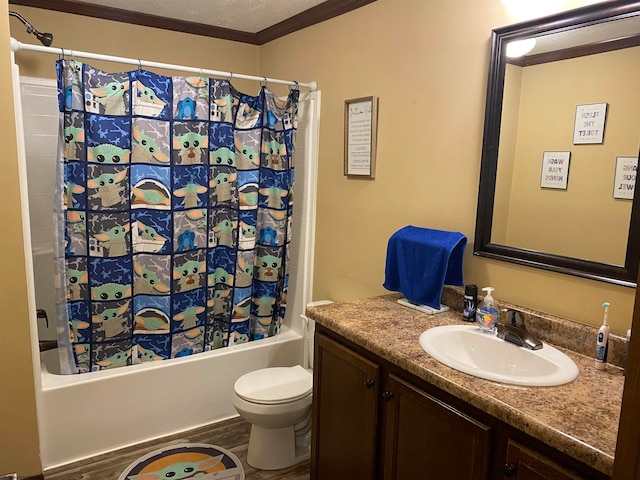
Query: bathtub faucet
[
  {"x": 42, "y": 313},
  {"x": 44, "y": 346}
]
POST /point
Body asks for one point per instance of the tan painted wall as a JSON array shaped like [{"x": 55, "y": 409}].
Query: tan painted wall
[
  {"x": 583, "y": 221},
  {"x": 506, "y": 154},
  {"x": 427, "y": 61},
  {"x": 18, "y": 428}
]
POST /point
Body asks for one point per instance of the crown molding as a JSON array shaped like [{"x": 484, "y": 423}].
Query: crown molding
[{"x": 324, "y": 11}]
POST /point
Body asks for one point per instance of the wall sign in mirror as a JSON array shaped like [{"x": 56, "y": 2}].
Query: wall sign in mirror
[
  {"x": 535, "y": 105},
  {"x": 589, "y": 124},
  {"x": 555, "y": 170},
  {"x": 625, "y": 181},
  {"x": 360, "y": 136}
]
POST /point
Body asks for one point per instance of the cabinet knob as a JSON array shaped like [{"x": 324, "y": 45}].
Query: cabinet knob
[
  {"x": 388, "y": 395},
  {"x": 509, "y": 469},
  {"x": 369, "y": 383}
]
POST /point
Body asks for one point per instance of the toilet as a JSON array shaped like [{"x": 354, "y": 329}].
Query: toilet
[{"x": 277, "y": 403}]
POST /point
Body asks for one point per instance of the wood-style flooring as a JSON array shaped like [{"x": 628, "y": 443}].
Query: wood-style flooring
[{"x": 232, "y": 435}]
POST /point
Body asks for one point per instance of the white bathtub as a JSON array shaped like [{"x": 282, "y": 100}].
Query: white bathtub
[{"x": 92, "y": 413}]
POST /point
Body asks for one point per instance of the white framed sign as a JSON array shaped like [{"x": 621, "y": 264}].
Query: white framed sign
[
  {"x": 360, "y": 136},
  {"x": 555, "y": 170},
  {"x": 625, "y": 179},
  {"x": 589, "y": 124}
]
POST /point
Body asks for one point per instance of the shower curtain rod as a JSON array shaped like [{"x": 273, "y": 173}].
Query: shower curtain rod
[{"x": 17, "y": 46}]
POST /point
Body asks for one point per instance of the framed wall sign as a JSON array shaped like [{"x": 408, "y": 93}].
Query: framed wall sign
[
  {"x": 625, "y": 179},
  {"x": 555, "y": 170},
  {"x": 360, "y": 136},
  {"x": 589, "y": 124}
]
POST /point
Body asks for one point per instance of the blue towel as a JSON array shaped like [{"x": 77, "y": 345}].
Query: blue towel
[{"x": 420, "y": 261}]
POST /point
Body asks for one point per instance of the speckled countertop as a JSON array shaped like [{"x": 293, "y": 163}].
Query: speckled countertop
[{"x": 579, "y": 418}]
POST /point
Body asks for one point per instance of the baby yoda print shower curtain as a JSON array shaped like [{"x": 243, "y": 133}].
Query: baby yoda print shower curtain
[{"x": 174, "y": 211}]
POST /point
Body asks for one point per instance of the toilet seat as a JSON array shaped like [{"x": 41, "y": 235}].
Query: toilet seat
[{"x": 275, "y": 385}]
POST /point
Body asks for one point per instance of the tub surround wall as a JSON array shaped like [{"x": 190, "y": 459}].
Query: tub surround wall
[
  {"x": 40, "y": 120},
  {"x": 580, "y": 418}
]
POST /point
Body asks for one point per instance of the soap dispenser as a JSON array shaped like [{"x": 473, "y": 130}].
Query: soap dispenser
[{"x": 487, "y": 314}]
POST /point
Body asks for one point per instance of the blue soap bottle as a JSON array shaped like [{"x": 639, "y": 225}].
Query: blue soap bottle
[{"x": 487, "y": 314}]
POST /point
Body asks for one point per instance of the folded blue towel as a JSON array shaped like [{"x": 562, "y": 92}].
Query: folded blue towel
[{"x": 420, "y": 261}]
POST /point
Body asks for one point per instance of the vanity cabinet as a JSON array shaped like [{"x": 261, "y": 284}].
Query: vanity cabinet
[
  {"x": 367, "y": 423},
  {"x": 374, "y": 421}
]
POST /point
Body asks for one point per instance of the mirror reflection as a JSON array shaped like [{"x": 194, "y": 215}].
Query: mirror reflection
[{"x": 561, "y": 144}]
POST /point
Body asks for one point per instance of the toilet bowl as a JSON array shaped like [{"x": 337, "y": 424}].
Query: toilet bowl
[{"x": 277, "y": 403}]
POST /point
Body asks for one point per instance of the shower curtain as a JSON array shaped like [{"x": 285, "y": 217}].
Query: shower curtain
[{"x": 174, "y": 206}]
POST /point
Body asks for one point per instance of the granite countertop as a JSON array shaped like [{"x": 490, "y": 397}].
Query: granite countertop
[{"x": 579, "y": 418}]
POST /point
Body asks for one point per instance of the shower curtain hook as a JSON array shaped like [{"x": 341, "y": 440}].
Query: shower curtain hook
[
  {"x": 139, "y": 65},
  {"x": 263, "y": 83},
  {"x": 294, "y": 87},
  {"x": 62, "y": 52},
  {"x": 230, "y": 77}
]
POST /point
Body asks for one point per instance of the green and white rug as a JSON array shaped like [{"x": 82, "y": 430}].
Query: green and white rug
[{"x": 186, "y": 461}]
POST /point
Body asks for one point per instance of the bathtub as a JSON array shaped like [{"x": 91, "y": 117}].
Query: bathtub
[{"x": 89, "y": 414}]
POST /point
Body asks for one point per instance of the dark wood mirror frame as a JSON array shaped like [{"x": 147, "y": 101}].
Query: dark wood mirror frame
[{"x": 621, "y": 275}]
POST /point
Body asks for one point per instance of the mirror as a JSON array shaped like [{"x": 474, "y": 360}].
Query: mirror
[{"x": 531, "y": 209}]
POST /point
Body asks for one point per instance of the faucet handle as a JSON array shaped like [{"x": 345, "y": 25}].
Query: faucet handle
[{"x": 515, "y": 318}]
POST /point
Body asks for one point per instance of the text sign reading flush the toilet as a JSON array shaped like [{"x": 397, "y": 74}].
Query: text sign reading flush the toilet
[
  {"x": 360, "y": 132},
  {"x": 589, "y": 125}
]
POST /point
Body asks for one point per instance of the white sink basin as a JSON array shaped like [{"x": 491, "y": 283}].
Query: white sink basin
[{"x": 484, "y": 355}]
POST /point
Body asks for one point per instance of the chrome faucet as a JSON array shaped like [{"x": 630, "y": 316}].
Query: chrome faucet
[{"x": 514, "y": 331}]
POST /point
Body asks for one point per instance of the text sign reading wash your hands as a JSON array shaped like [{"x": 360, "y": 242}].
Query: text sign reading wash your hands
[{"x": 555, "y": 169}]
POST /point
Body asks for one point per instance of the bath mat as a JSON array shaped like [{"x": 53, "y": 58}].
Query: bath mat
[{"x": 186, "y": 461}]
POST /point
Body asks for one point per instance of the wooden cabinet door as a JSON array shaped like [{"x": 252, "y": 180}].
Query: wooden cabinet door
[
  {"x": 425, "y": 438},
  {"x": 345, "y": 404},
  {"x": 526, "y": 464}
]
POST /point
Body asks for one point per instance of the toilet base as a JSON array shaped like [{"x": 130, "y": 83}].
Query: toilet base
[{"x": 263, "y": 456}]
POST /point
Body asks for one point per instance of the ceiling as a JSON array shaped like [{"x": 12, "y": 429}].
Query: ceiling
[
  {"x": 243, "y": 15},
  {"x": 249, "y": 21}
]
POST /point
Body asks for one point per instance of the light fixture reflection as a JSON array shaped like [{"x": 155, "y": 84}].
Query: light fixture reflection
[{"x": 519, "y": 48}]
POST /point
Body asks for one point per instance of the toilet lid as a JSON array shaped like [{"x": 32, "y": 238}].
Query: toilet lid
[{"x": 275, "y": 385}]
